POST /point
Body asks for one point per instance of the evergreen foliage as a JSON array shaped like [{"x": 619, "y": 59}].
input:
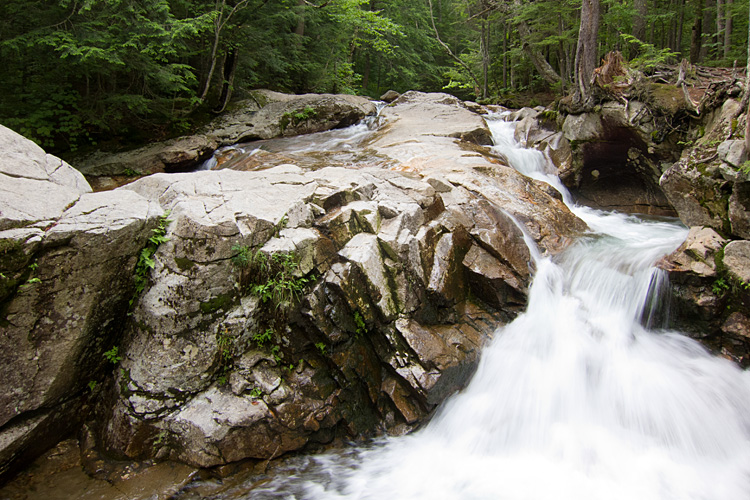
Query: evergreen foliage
[{"x": 77, "y": 72}]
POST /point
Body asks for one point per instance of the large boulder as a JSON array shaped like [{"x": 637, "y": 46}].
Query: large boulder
[
  {"x": 266, "y": 115},
  {"x": 176, "y": 155},
  {"x": 36, "y": 187},
  {"x": 614, "y": 160},
  {"x": 284, "y": 307},
  {"x": 701, "y": 183},
  {"x": 387, "y": 328},
  {"x": 66, "y": 265},
  {"x": 403, "y": 275},
  {"x": 286, "y": 115},
  {"x": 709, "y": 290}
]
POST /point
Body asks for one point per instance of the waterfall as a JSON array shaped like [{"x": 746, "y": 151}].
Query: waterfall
[{"x": 578, "y": 398}]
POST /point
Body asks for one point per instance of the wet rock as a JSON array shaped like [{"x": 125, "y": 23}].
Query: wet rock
[
  {"x": 692, "y": 272},
  {"x": 707, "y": 276},
  {"x": 59, "y": 473},
  {"x": 177, "y": 155}
]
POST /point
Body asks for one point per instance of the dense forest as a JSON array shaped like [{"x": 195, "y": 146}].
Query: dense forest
[{"x": 77, "y": 72}]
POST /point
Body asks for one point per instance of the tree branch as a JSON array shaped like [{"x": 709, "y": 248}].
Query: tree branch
[
  {"x": 450, "y": 52},
  {"x": 317, "y": 6}
]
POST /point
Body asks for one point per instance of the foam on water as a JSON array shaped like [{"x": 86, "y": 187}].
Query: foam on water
[{"x": 575, "y": 399}]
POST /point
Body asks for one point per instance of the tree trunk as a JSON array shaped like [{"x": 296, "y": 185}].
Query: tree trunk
[
  {"x": 708, "y": 22},
  {"x": 639, "y": 21},
  {"x": 484, "y": 47},
  {"x": 214, "y": 56},
  {"x": 680, "y": 26},
  {"x": 728, "y": 28},
  {"x": 227, "y": 86},
  {"x": 505, "y": 56},
  {"x": 696, "y": 33},
  {"x": 544, "y": 69},
  {"x": 300, "y": 29},
  {"x": 366, "y": 73},
  {"x": 719, "y": 27},
  {"x": 746, "y": 97},
  {"x": 586, "y": 54},
  {"x": 564, "y": 66}
]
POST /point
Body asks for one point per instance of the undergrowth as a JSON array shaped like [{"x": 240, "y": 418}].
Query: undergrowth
[{"x": 146, "y": 258}]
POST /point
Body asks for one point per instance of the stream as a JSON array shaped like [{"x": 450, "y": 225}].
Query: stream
[{"x": 585, "y": 396}]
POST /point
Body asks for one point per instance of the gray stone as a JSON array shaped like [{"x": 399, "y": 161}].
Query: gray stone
[
  {"x": 732, "y": 152},
  {"x": 737, "y": 259},
  {"x": 390, "y": 96},
  {"x": 739, "y": 209},
  {"x": 276, "y": 117},
  {"x": 583, "y": 127},
  {"x": 34, "y": 187},
  {"x": 175, "y": 155},
  {"x": 697, "y": 198}
]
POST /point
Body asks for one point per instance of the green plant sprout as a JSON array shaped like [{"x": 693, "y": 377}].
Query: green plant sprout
[
  {"x": 360, "y": 324},
  {"x": 261, "y": 338},
  {"x": 146, "y": 260},
  {"x": 112, "y": 355},
  {"x": 275, "y": 353}
]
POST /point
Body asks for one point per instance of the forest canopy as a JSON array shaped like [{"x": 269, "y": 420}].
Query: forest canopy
[{"x": 77, "y": 72}]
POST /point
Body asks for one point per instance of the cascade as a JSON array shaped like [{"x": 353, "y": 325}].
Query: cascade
[{"x": 579, "y": 398}]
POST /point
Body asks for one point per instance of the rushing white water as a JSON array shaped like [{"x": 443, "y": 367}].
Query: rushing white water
[{"x": 575, "y": 399}]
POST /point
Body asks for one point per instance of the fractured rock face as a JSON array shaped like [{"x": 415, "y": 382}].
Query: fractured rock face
[
  {"x": 376, "y": 246},
  {"x": 287, "y": 306},
  {"x": 65, "y": 281}
]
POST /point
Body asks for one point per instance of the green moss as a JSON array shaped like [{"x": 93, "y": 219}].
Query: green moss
[
  {"x": 184, "y": 264},
  {"x": 296, "y": 117},
  {"x": 260, "y": 99},
  {"x": 7, "y": 246},
  {"x": 217, "y": 303},
  {"x": 667, "y": 97}
]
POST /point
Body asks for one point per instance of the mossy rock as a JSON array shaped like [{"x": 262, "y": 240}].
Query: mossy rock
[
  {"x": 667, "y": 98},
  {"x": 13, "y": 262},
  {"x": 221, "y": 302}
]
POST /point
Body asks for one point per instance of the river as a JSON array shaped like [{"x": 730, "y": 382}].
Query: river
[{"x": 585, "y": 396}]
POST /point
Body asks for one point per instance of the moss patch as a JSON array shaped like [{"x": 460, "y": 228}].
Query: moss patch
[
  {"x": 220, "y": 302},
  {"x": 184, "y": 264},
  {"x": 667, "y": 98}
]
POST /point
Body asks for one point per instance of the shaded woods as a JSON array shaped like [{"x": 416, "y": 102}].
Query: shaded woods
[{"x": 78, "y": 72}]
